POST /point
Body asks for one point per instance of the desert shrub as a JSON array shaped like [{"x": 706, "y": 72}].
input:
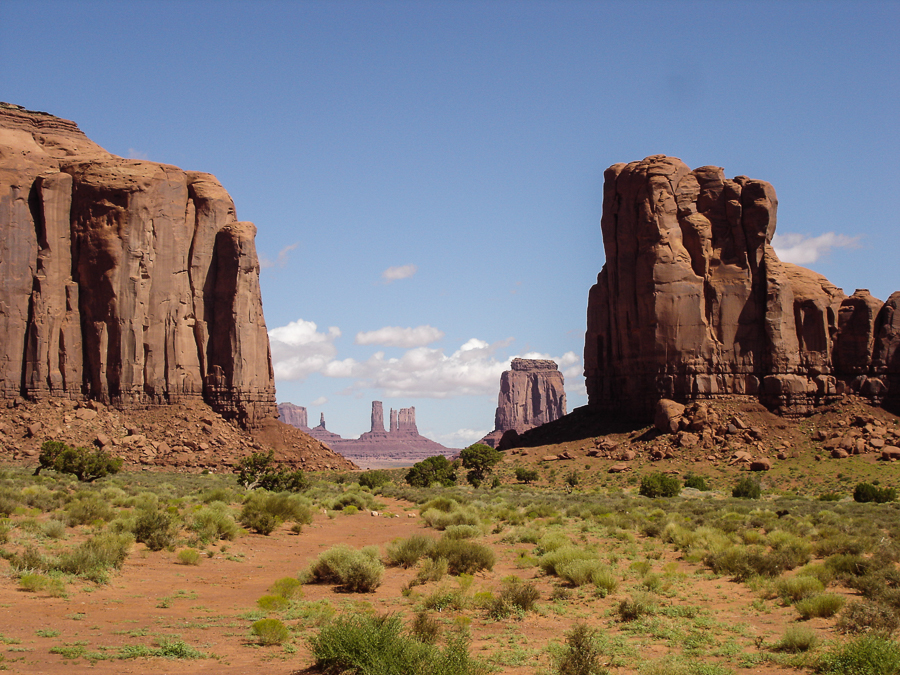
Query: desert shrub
[
  {"x": 581, "y": 654},
  {"x": 352, "y": 570},
  {"x": 219, "y": 494},
  {"x": 189, "y": 556},
  {"x": 431, "y": 570},
  {"x": 480, "y": 460},
  {"x": 407, "y": 552},
  {"x": 86, "y": 465},
  {"x": 588, "y": 571},
  {"x": 633, "y": 608},
  {"x": 53, "y": 529},
  {"x": 425, "y": 628},
  {"x": 446, "y": 598},
  {"x": 437, "y": 469},
  {"x": 214, "y": 522},
  {"x": 549, "y": 542},
  {"x": 747, "y": 488},
  {"x": 167, "y": 649},
  {"x": 461, "y": 532},
  {"x": 5, "y": 528},
  {"x": 659, "y": 485},
  {"x": 374, "y": 479},
  {"x": 697, "y": 482},
  {"x": 95, "y": 557},
  {"x": 798, "y": 587},
  {"x": 817, "y": 571},
  {"x": 273, "y": 603},
  {"x": 526, "y": 476},
  {"x": 839, "y": 543},
  {"x": 797, "y": 639},
  {"x": 515, "y": 596},
  {"x": 86, "y": 510},
  {"x": 830, "y": 497},
  {"x": 270, "y": 632},
  {"x": 155, "y": 527},
  {"x": 743, "y": 562},
  {"x": 823, "y": 605},
  {"x": 259, "y": 470},
  {"x": 864, "y": 655},
  {"x": 377, "y": 645},
  {"x": 40, "y": 583},
  {"x": 463, "y": 556},
  {"x": 846, "y": 566},
  {"x": 865, "y": 616},
  {"x": 866, "y": 492},
  {"x": 441, "y": 520},
  {"x": 287, "y": 587},
  {"x": 362, "y": 501},
  {"x": 264, "y": 511}
]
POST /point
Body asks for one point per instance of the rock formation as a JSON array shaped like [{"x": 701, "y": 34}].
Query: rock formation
[
  {"x": 694, "y": 303},
  {"x": 124, "y": 281},
  {"x": 402, "y": 445},
  {"x": 294, "y": 415},
  {"x": 532, "y": 393}
]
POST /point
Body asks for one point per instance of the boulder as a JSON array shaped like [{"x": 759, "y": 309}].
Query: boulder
[
  {"x": 619, "y": 468},
  {"x": 668, "y": 415},
  {"x": 890, "y": 452},
  {"x": 761, "y": 464},
  {"x": 839, "y": 453}
]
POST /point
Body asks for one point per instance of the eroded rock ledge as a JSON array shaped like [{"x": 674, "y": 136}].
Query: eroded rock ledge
[
  {"x": 124, "y": 281},
  {"x": 694, "y": 303}
]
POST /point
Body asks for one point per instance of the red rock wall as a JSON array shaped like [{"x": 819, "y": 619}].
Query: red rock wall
[
  {"x": 532, "y": 393},
  {"x": 126, "y": 281},
  {"x": 693, "y": 302}
]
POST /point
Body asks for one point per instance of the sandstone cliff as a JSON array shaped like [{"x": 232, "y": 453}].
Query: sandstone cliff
[
  {"x": 124, "y": 281},
  {"x": 694, "y": 303},
  {"x": 295, "y": 415},
  {"x": 532, "y": 393}
]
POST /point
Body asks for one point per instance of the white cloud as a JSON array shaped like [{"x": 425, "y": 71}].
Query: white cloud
[
  {"x": 802, "y": 250},
  {"x": 461, "y": 438},
  {"x": 136, "y": 154},
  {"x": 281, "y": 260},
  {"x": 396, "y": 273},
  {"x": 320, "y": 401},
  {"x": 299, "y": 349},
  {"x": 395, "y": 336}
]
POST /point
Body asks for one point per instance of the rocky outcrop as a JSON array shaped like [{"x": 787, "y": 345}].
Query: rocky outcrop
[
  {"x": 532, "y": 393},
  {"x": 125, "y": 281},
  {"x": 402, "y": 445},
  {"x": 294, "y": 415},
  {"x": 694, "y": 303}
]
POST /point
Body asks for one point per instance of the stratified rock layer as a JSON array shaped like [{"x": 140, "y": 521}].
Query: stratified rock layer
[
  {"x": 532, "y": 393},
  {"x": 125, "y": 281},
  {"x": 295, "y": 415},
  {"x": 694, "y": 303}
]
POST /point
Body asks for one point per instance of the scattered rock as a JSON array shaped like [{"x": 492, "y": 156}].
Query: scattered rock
[{"x": 668, "y": 415}]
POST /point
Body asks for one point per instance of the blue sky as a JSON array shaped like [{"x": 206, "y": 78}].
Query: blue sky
[{"x": 426, "y": 177}]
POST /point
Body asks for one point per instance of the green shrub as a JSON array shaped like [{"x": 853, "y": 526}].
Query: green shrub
[
  {"x": 40, "y": 583},
  {"x": 659, "y": 485},
  {"x": 526, "y": 476},
  {"x": 264, "y": 511},
  {"x": 865, "y": 616},
  {"x": 376, "y": 645},
  {"x": 352, "y": 570},
  {"x": 461, "y": 532},
  {"x": 155, "y": 527},
  {"x": 463, "y": 556},
  {"x": 431, "y": 570},
  {"x": 585, "y": 571},
  {"x": 259, "y": 470},
  {"x": 425, "y": 629},
  {"x": 797, "y": 639},
  {"x": 747, "y": 488},
  {"x": 374, "y": 479},
  {"x": 287, "y": 587},
  {"x": 866, "y": 492},
  {"x": 480, "y": 460},
  {"x": 87, "y": 510},
  {"x": 581, "y": 655},
  {"x": 798, "y": 587},
  {"x": 441, "y": 520},
  {"x": 551, "y": 562},
  {"x": 696, "y": 482},
  {"x": 743, "y": 562},
  {"x": 273, "y": 603},
  {"x": 189, "y": 556},
  {"x": 54, "y": 529},
  {"x": 95, "y": 557},
  {"x": 823, "y": 605},
  {"x": 515, "y": 596},
  {"x": 864, "y": 655},
  {"x": 5, "y": 528},
  {"x": 214, "y": 522},
  {"x": 86, "y": 465},
  {"x": 270, "y": 632},
  {"x": 437, "y": 469},
  {"x": 407, "y": 552},
  {"x": 633, "y": 608}
]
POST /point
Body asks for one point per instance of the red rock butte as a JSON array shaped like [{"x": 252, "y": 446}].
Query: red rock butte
[
  {"x": 693, "y": 302},
  {"x": 125, "y": 281}
]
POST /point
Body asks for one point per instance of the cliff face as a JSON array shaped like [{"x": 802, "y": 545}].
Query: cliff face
[
  {"x": 295, "y": 415},
  {"x": 693, "y": 302},
  {"x": 125, "y": 281}
]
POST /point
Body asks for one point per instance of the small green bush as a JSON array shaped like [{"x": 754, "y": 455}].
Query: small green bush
[
  {"x": 516, "y": 596},
  {"x": 633, "y": 608},
  {"x": 87, "y": 510},
  {"x": 189, "y": 556},
  {"x": 747, "y": 488},
  {"x": 696, "y": 482},
  {"x": 407, "y": 552},
  {"x": 526, "y": 476},
  {"x": 463, "y": 556},
  {"x": 659, "y": 485},
  {"x": 865, "y": 616},
  {"x": 866, "y": 492},
  {"x": 270, "y": 632},
  {"x": 156, "y": 527},
  {"x": 551, "y": 562},
  {"x": 40, "y": 583},
  {"x": 214, "y": 522},
  {"x": 441, "y": 520},
  {"x": 96, "y": 556},
  {"x": 581, "y": 655},
  {"x": 352, "y": 570},
  {"x": 823, "y": 605},
  {"x": 264, "y": 511},
  {"x": 425, "y": 628},
  {"x": 86, "y": 465},
  {"x": 259, "y": 470},
  {"x": 586, "y": 571},
  {"x": 374, "y": 479},
  {"x": 461, "y": 532},
  {"x": 54, "y": 529},
  {"x": 287, "y": 587},
  {"x": 864, "y": 655},
  {"x": 273, "y": 603},
  {"x": 797, "y": 639},
  {"x": 798, "y": 587}
]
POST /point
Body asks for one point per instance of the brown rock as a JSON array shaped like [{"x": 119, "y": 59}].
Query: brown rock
[
  {"x": 86, "y": 414},
  {"x": 761, "y": 464},
  {"x": 549, "y": 458},
  {"x": 687, "y": 440},
  {"x": 839, "y": 453},
  {"x": 143, "y": 287},
  {"x": 627, "y": 455},
  {"x": 619, "y": 468},
  {"x": 668, "y": 415},
  {"x": 102, "y": 441},
  {"x": 890, "y": 452},
  {"x": 32, "y": 430}
]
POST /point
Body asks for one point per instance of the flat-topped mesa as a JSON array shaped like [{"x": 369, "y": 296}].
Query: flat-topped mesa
[
  {"x": 533, "y": 365},
  {"x": 295, "y": 415},
  {"x": 125, "y": 281},
  {"x": 693, "y": 302},
  {"x": 406, "y": 421}
]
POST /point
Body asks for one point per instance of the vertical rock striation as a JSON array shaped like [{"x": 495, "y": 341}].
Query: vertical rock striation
[
  {"x": 125, "y": 281},
  {"x": 694, "y": 303},
  {"x": 295, "y": 415}
]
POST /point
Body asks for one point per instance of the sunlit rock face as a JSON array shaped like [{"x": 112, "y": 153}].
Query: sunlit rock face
[
  {"x": 693, "y": 302},
  {"x": 125, "y": 281}
]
